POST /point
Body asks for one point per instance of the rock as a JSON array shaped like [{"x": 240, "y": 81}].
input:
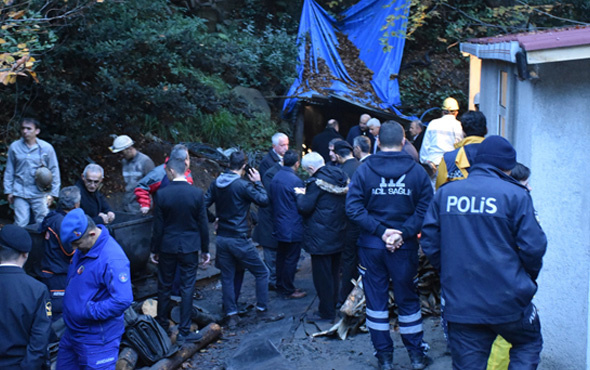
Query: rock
[{"x": 256, "y": 100}]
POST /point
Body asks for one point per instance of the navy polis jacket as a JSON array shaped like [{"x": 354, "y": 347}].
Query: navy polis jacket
[
  {"x": 483, "y": 237},
  {"x": 232, "y": 196},
  {"x": 322, "y": 207},
  {"x": 180, "y": 220},
  {"x": 389, "y": 191},
  {"x": 288, "y": 224},
  {"x": 98, "y": 291}
]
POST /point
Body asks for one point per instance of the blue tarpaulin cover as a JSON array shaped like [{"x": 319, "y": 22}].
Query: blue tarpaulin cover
[{"x": 329, "y": 65}]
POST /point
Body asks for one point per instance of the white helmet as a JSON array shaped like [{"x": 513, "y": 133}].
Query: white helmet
[{"x": 121, "y": 143}]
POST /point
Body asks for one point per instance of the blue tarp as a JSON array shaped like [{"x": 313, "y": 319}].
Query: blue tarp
[{"x": 376, "y": 28}]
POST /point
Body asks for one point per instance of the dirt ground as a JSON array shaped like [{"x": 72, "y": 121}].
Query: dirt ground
[{"x": 288, "y": 344}]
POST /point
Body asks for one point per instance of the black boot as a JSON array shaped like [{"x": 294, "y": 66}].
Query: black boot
[
  {"x": 385, "y": 360},
  {"x": 419, "y": 360}
]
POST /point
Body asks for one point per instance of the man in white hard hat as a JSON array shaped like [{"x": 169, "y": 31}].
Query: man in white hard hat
[
  {"x": 441, "y": 135},
  {"x": 135, "y": 166},
  {"x": 26, "y": 179}
]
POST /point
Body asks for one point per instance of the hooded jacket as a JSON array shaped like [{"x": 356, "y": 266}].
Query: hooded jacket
[
  {"x": 98, "y": 291},
  {"x": 232, "y": 196},
  {"x": 482, "y": 235},
  {"x": 322, "y": 208},
  {"x": 389, "y": 191}
]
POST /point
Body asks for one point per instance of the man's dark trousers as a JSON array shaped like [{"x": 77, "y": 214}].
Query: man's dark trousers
[
  {"x": 187, "y": 265},
  {"x": 234, "y": 254},
  {"x": 325, "y": 272},
  {"x": 471, "y": 343},
  {"x": 287, "y": 258},
  {"x": 349, "y": 261}
]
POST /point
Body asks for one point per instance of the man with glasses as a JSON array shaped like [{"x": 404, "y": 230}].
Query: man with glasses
[{"x": 92, "y": 201}]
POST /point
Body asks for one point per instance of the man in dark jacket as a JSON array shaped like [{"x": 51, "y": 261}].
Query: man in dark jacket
[
  {"x": 347, "y": 162},
  {"x": 180, "y": 230},
  {"x": 288, "y": 224},
  {"x": 92, "y": 201},
  {"x": 57, "y": 256},
  {"x": 324, "y": 220},
  {"x": 360, "y": 130},
  {"x": 320, "y": 142},
  {"x": 388, "y": 198},
  {"x": 25, "y": 312},
  {"x": 482, "y": 235},
  {"x": 232, "y": 196},
  {"x": 280, "y": 144}
]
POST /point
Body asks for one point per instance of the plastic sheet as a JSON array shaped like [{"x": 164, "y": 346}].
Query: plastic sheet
[{"x": 376, "y": 28}]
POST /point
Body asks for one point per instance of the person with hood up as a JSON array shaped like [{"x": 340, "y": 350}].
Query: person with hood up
[
  {"x": 232, "y": 196},
  {"x": 324, "y": 223},
  {"x": 388, "y": 198}
]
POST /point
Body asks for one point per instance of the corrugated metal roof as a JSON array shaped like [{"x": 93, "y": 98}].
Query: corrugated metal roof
[{"x": 543, "y": 40}]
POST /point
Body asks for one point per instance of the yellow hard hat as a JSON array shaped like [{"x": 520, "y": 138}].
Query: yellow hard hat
[{"x": 450, "y": 104}]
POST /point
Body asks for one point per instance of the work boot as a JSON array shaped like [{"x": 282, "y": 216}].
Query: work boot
[
  {"x": 419, "y": 360},
  {"x": 385, "y": 360},
  {"x": 232, "y": 321},
  {"x": 189, "y": 338},
  {"x": 297, "y": 294}
]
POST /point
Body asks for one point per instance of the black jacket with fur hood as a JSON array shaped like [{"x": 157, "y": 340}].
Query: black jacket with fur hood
[{"x": 322, "y": 208}]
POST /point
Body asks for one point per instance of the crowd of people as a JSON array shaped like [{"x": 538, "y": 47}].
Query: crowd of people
[{"x": 369, "y": 203}]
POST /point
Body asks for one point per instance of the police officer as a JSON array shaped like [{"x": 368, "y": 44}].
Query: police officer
[
  {"x": 482, "y": 235},
  {"x": 388, "y": 198},
  {"x": 25, "y": 313},
  {"x": 98, "y": 291}
]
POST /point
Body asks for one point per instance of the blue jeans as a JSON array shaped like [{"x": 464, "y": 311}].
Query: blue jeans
[
  {"x": 83, "y": 356},
  {"x": 23, "y": 208},
  {"x": 471, "y": 343},
  {"x": 233, "y": 256}
]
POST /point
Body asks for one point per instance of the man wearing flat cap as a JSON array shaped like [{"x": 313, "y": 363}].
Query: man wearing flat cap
[
  {"x": 482, "y": 236},
  {"x": 98, "y": 291},
  {"x": 25, "y": 313},
  {"x": 345, "y": 158}
]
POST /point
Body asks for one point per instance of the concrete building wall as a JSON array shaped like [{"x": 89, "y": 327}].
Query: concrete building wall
[{"x": 550, "y": 129}]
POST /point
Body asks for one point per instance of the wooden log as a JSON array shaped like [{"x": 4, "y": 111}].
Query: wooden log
[
  {"x": 210, "y": 334},
  {"x": 127, "y": 359}
]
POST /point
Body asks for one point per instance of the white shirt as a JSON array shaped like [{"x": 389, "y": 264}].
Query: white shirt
[{"x": 440, "y": 137}]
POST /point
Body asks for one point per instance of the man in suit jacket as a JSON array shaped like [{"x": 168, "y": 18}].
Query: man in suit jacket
[{"x": 180, "y": 228}]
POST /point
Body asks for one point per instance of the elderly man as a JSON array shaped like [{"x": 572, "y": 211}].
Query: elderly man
[
  {"x": 180, "y": 231},
  {"x": 98, "y": 292},
  {"x": 417, "y": 134},
  {"x": 31, "y": 173},
  {"x": 322, "y": 140},
  {"x": 232, "y": 196},
  {"x": 92, "y": 201},
  {"x": 374, "y": 126},
  {"x": 360, "y": 130},
  {"x": 324, "y": 219},
  {"x": 361, "y": 148},
  {"x": 483, "y": 237},
  {"x": 388, "y": 198},
  {"x": 25, "y": 312},
  {"x": 57, "y": 256},
  {"x": 280, "y": 144},
  {"x": 135, "y": 166},
  {"x": 441, "y": 135}
]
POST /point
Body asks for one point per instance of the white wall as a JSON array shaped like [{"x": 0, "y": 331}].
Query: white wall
[{"x": 550, "y": 129}]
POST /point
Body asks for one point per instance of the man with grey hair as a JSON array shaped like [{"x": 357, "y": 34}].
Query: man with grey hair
[
  {"x": 321, "y": 204},
  {"x": 361, "y": 148},
  {"x": 417, "y": 133},
  {"x": 374, "y": 126},
  {"x": 92, "y": 201},
  {"x": 31, "y": 173},
  {"x": 280, "y": 144},
  {"x": 57, "y": 256}
]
